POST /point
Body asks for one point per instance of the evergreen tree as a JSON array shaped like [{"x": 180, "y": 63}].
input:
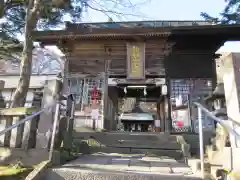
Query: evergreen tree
[
  {"x": 9, "y": 47},
  {"x": 110, "y": 19},
  {"x": 230, "y": 14}
]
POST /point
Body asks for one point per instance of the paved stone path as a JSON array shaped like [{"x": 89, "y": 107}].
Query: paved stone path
[{"x": 122, "y": 166}]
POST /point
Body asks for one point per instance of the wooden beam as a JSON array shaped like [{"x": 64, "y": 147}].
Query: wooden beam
[
  {"x": 192, "y": 52},
  {"x": 94, "y": 57},
  {"x": 95, "y": 70},
  {"x": 87, "y": 62},
  {"x": 153, "y": 62}
]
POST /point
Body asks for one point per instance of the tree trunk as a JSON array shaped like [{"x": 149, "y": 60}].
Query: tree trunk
[
  {"x": 26, "y": 61},
  {"x": 1, "y": 8}
]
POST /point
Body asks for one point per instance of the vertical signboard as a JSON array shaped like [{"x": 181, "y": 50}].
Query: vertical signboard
[{"x": 136, "y": 60}]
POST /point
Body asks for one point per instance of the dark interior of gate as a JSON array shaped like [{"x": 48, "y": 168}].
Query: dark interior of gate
[{"x": 176, "y": 66}]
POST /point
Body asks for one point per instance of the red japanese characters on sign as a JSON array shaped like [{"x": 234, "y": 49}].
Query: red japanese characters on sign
[{"x": 95, "y": 95}]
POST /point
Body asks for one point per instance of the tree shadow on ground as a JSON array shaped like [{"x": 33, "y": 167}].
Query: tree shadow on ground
[
  {"x": 75, "y": 172},
  {"x": 115, "y": 159}
]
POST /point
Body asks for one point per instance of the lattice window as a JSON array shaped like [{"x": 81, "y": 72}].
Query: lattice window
[
  {"x": 90, "y": 97},
  {"x": 76, "y": 88},
  {"x": 92, "y": 83},
  {"x": 83, "y": 90}
]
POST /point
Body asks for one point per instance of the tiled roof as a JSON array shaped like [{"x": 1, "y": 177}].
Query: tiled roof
[{"x": 145, "y": 24}]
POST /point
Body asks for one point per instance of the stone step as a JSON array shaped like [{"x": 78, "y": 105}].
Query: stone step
[
  {"x": 114, "y": 166},
  {"x": 144, "y": 142},
  {"x": 173, "y": 151},
  {"x": 166, "y": 146},
  {"x": 140, "y": 144},
  {"x": 88, "y": 174},
  {"x": 103, "y": 136},
  {"x": 121, "y": 142},
  {"x": 176, "y": 154}
]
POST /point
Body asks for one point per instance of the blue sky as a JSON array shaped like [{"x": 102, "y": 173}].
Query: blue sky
[{"x": 167, "y": 10}]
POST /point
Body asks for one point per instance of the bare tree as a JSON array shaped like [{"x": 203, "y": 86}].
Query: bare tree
[
  {"x": 24, "y": 16},
  {"x": 46, "y": 62}
]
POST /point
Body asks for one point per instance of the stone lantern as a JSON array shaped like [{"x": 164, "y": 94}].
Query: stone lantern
[{"x": 216, "y": 102}]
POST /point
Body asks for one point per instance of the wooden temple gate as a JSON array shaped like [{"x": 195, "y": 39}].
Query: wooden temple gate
[{"x": 178, "y": 52}]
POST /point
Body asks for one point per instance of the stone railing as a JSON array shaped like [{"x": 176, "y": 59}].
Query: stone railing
[
  {"x": 23, "y": 136},
  {"x": 27, "y": 134}
]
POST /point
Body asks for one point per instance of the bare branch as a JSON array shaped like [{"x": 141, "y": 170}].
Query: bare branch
[{"x": 118, "y": 8}]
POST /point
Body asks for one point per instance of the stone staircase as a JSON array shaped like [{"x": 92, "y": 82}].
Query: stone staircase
[
  {"x": 160, "y": 144},
  {"x": 125, "y": 155},
  {"x": 121, "y": 167}
]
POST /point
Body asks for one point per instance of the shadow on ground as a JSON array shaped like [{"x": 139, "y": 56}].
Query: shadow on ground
[
  {"x": 115, "y": 159},
  {"x": 73, "y": 173}
]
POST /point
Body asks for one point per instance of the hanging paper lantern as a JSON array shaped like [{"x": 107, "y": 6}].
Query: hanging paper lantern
[{"x": 164, "y": 89}]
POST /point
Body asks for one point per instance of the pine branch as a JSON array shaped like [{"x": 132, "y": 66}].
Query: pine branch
[{"x": 229, "y": 15}]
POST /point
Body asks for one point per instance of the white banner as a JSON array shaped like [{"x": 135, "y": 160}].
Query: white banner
[
  {"x": 181, "y": 115},
  {"x": 95, "y": 114},
  {"x": 157, "y": 123}
]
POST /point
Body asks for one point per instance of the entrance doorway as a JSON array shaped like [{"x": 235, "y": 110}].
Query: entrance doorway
[{"x": 138, "y": 107}]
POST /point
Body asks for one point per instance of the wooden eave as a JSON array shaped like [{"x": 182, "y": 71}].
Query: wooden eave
[
  {"x": 54, "y": 37},
  {"x": 89, "y": 33}
]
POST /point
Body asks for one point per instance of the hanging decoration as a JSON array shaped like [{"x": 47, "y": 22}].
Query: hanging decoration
[
  {"x": 95, "y": 94},
  {"x": 145, "y": 92},
  {"x": 164, "y": 89},
  {"x": 125, "y": 90}
]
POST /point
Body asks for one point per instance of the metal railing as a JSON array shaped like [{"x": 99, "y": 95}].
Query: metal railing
[{"x": 223, "y": 123}]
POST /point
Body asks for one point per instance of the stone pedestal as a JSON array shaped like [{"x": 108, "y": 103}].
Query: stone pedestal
[{"x": 230, "y": 161}]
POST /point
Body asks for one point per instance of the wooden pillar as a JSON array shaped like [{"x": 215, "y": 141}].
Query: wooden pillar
[
  {"x": 158, "y": 117},
  {"x": 162, "y": 114},
  {"x": 168, "y": 122},
  {"x": 107, "y": 123},
  {"x": 113, "y": 98}
]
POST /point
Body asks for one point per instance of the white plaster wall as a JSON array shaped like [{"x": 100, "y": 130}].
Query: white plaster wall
[{"x": 11, "y": 81}]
